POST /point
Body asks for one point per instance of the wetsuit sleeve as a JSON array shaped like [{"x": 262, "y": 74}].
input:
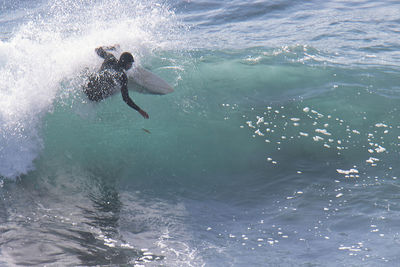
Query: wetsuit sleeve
[
  {"x": 128, "y": 100},
  {"x": 101, "y": 52}
]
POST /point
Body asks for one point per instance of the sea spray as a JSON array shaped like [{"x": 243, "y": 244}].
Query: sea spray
[{"x": 45, "y": 54}]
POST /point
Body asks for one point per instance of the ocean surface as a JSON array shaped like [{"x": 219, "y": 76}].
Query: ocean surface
[{"x": 279, "y": 146}]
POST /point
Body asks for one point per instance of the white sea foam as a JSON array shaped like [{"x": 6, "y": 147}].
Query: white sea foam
[{"x": 47, "y": 52}]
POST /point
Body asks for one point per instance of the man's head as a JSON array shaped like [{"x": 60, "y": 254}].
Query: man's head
[{"x": 126, "y": 60}]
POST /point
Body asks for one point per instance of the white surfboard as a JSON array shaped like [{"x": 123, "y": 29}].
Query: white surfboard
[{"x": 146, "y": 82}]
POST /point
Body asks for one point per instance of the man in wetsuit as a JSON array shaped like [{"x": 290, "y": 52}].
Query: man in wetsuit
[{"x": 111, "y": 77}]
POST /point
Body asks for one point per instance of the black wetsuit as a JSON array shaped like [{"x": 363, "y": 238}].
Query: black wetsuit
[{"x": 106, "y": 82}]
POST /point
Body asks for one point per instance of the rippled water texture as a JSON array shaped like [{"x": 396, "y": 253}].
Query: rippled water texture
[{"x": 279, "y": 145}]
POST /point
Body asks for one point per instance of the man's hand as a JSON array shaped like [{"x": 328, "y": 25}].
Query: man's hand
[
  {"x": 111, "y": 47},
  {"x": 143, "y": 113}
]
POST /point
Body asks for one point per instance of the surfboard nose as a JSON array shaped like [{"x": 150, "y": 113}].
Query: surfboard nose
[{"x": 149, "y": 82}]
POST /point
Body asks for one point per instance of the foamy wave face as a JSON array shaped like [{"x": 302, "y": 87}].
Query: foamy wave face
[{"x": 55, "y": 45}]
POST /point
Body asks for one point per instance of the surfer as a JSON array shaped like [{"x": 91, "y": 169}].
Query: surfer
[{"x": 111, "y": 77}]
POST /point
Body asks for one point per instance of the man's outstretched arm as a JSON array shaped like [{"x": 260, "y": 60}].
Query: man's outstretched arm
[
  {"x": 102, "y": 51},
  {"x": 129, "y": 101}
]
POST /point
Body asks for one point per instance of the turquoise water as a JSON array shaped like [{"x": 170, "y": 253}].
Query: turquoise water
[{"x": 279, "y": 146}]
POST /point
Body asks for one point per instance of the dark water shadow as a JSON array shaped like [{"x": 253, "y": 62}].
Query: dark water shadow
[{"x": 51, "y": 221}]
